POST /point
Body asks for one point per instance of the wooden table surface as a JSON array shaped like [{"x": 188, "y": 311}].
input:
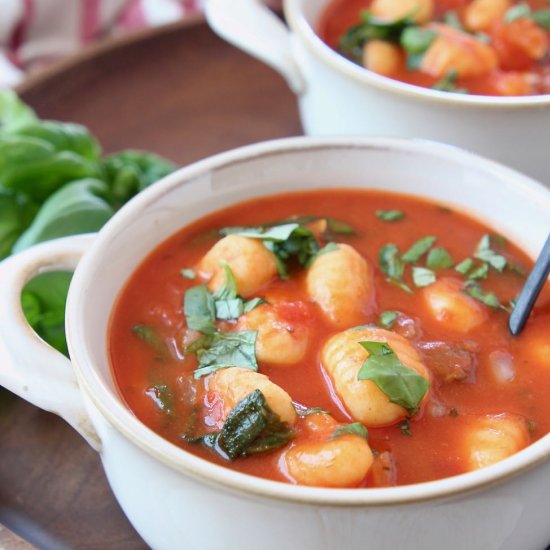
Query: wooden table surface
[{"x": 183, "y": 93}]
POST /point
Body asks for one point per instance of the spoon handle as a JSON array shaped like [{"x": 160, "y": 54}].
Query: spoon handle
[{"x": 530, "y": 291}]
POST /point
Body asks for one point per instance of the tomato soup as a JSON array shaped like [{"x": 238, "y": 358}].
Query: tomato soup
[
  {"x": 338, "y": 338},
  {"x": 484, "y": 47}
]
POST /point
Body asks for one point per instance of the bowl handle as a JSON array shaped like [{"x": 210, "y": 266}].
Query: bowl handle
[
  {"x": 253, "y": 27},
  {"x": 29, "y": 367}
]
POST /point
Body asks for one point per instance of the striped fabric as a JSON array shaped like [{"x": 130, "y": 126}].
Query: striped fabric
[{"x": 34, "y": 33}]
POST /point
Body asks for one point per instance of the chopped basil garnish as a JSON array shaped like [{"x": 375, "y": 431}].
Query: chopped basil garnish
[
  {"x": 250, "y": 428},
  {"x": 416, "y": 40},
  {"x": 355, "y": 428},
  {"x": 227, "y": 349},
  {"x": 475, "y": 291},
  {"x": 249, "y": 305},
  {"x": 451, "y": 18},
  {"x": 302, "y": 411},
  {"x": 333, "y": 225},
  {"x": 485, "y": 253},
  {"x": 330, "y": 247},
  {"x": 448, "y": 83},
  {"x": 228, "y": 290},
  {"x": 150, "y": 337},
  {"x": 162, "y": 396},
  {"x": 401, "y": 384},
  {"x": 390, "y": 215},
  {"x": 517, "y": 12},
  {"x": 392, "y": 265},
  {"x": 229, "y": 309},
  {"x": 199, "y": 309},
  {"x": 405, "y": 427},
  {"x": 464, "y": 266},
  {"x": 479, "y": 272},
  {"x": 188, "y": 274},
  {"x": 418, "y": 249},
  {"x": 438, "y": 258},
  {"x": 542, "y": 18},
  {"x": 422, "y": 276},
  {"x": 387, "y": 318}
]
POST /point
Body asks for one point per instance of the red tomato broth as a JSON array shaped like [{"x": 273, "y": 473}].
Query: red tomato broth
[
  {"x": 154, "y": 295},
  {"x": 340, "y": 15}
]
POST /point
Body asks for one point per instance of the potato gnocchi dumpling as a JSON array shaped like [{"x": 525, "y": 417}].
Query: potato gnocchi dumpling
[
  {"x": 342, "y": 357},
  {"x": 280, "y": 340},
  {"x": 391, "y": 10},
  {"x": 234, "y": 384},
  {"x": 452, "y": 307},
  {"x": 341, "y": 283},
  {"x": 250, "y": 261},
  {"x": 492, "y": 438}
]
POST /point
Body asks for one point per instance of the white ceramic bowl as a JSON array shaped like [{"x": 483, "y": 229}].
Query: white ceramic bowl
[
  {"x": 177, "y": 500},
  {"x": 337, "y": 97}
]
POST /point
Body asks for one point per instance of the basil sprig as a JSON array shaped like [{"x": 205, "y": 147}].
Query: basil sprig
[
  {"x": 355, "y": 428},
  {"x": 401, "y": 384},
  {"x": 392, "y": 265},
  {"x": 250, "y": 428}
]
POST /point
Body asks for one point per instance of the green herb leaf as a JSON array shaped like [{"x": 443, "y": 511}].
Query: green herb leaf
[
  {"x": 399, "y": 383},
  {"x": 418, "y": 249},
  {"x": 451, "y": 18},
  {"x": 162, "y": 395},
  {"x": 355, "y": 428},
  {"x": 422, "y": 276},
  {"x": 405, "y": 427},
  {"x": 479, "y": 272},
  {"x": 448, "y": 83},
  {"x": 387, "y": 318},
  {"x": 390, "y": 215},
  {"x": 13, "y": 112},
  {"x": 16, "y": 214},
  {"x": 199, "y": 309},
  {"x": 228, "y": 349},
  {"x": 229, "y": 309},
  {"x": 416, "y": 40},
  {"x": 485, "y": 253},
  {"x": 392, "y": 265},
  {"x": 188, "y": 274},
  {"x": 150, "y": 336},
  {"x": 302, "y": 411},
  {"x": 517, "y": 12},
  {"x": 439, "y": 258},
  {"x": 77, "y": 207},
  {"x": 542, "y": 18},
  {"x": 476, "y": 292},
  {"x": 249, "y": 305},
  {"x": 228, "y": 290},
  {"x": 464, "y": 266},
  {"x": 330, "y": 247}
]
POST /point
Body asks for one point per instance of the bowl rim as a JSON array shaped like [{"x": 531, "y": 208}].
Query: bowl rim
[
  {"x": 113, "y": 409},
  {"x": 302, "y": 29}
]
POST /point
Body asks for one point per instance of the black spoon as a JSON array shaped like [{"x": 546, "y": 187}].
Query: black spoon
[{"x": 530, "y": 291}]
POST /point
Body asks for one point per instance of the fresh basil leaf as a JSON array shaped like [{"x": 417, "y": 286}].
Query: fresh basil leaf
[
  {"x": 438, "y": 258},
  {"x": 416, "y": 40},
  {"x": 405, "y": 427},
  {"x": 448, "y": 83},
  {"x": 355, "y": 428},
  {"x": 303, "y": 411},
  {"x": 32, "y": 166},
  {"x": 387, "y": 318},
  {"x": 231, "y": 308},
  {"x": 199, "y": 309},
  {"x": 188, "y": 274},
  {"x": 517, "y": 12},
  {"x": 330, "y": 247},
  {"x": 464, "y": 266},
  {"x": 392, "y": 265},
  {"x": 418, "y": 249},
  {"x": 252, "y": 427},
  {"x": 162, "y": 396},
  {"x": 339, "y": 227},
  {"x": 277, "y": 233},
  {"x": 542, "y": 18},
  {"x": 77, "y": 207},
  {"x": 228, "y": 290},
  {"x": 228, "y": 349},
  {"x": 476, "y": 292},
  {"x": 479, "y": 272},
  {"x": 63, "y": 136},
  {"x": 451, "y": 18},
  {"x": 422, "y": 276},
  {"x": 150, "y": 336},
  {"x": 249, "y": 305},
  {"x": 485, "y": 253},
  {"x": 390, "y": 215},
  {"x": 43, "y": 301},
  {"x": 401, "y": 384},
  {"x": 13, "y": 112},
  {"x": 16, "y": 214}
]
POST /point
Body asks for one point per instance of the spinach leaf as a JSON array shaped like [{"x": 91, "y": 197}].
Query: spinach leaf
[
  {"x": 13, "y": 112},
  {"x": 199, "y": 309},
  {"x": 392, "y": 265},
  {"x": 16, "y": 214},
  {"x": 43, "y": 300},
  {"x": 75, "y": 208},
  {"x": 418, "y": 249},
  {"x": 438, "y": 258},
  {"x": 401, "y": 384},
  {"x": 250, "y": 428},
  {"x": 390, "y": 215},
  {"x": 355, "y": 428},
  {"x": 227, "y": 349}
]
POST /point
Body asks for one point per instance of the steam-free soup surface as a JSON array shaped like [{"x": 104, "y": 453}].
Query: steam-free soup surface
[{"x": 377, "y": 356}]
